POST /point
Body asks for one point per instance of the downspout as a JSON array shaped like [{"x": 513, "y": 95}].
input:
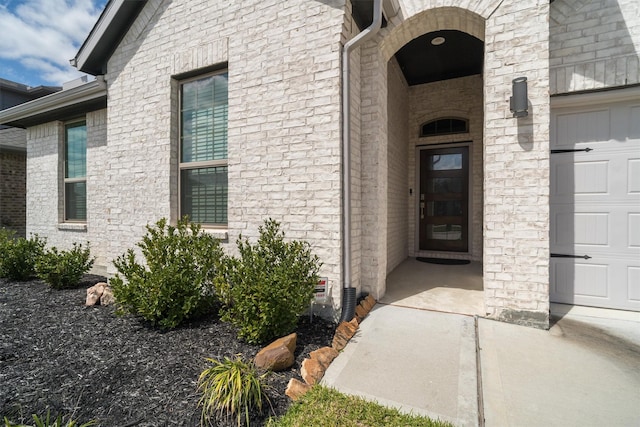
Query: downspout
[{"x": 349, "y": 292}]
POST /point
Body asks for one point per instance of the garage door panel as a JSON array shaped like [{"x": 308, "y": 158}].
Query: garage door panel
[
  {"x": 592, "y": 280},
  {"x": 582, "y": 127},
  {"x": 610, "y": 284},
  {"x": 633, "y": 180},
  {"x": 633, "y": 284},
  {"x": 633, "y": 225},
  {"x": 575, "y": 280},
  {"x": 634, "y": 128},
  {"x": 582, "y": 229},
  {"x": 604, "y": 175}
]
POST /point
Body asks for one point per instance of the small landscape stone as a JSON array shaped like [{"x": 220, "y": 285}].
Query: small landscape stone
[
  {"x": 344, "y": 332},
  {"x": 371, "y": 301},
  {"x": 296, "y": 389},
  {"x": 312, "y": 371},
  {"x": 107, "y": 296},
  {"x": 366, "y": 304},
  {"x": 324, "y": 355},
  {"x": 279, "y": 355},
  {"x": 94, "y": 293}
]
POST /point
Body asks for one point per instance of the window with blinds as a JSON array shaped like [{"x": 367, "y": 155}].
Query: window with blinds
[
  {"x": 203, "y": 149},
  {"x": 75, "y": 172}
]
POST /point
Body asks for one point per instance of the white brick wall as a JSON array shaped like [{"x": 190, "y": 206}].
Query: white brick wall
[
  {"x": 398, "y": 204},
  {"x": 284, "y": 117},
  {"x": 374, "y": 143},
  {"x": 45, "y": 188},
  {"x": 594, "y": 44}
]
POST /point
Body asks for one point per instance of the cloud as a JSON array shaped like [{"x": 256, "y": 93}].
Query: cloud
[{"x": 44, "y": 34}]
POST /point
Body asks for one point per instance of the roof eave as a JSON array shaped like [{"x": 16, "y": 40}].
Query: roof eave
[
  {"x": 106, "y": 34},
  {"x": 57, "y": 106}
]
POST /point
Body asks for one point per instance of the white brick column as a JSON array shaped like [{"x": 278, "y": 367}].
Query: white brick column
[
  {"x": 516, "y": 162},
  {"x": 374, "y": 170}
]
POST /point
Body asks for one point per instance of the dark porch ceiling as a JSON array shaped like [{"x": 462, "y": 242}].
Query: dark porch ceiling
[
  {"x": 421, "y": 61},
  {"x": 459, "y": 55}
]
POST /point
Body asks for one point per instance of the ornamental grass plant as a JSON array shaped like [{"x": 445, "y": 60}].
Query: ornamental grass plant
[{"x": 231, "y": 388}]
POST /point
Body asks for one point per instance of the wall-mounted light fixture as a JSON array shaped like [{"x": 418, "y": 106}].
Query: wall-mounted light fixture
[{"x": 519, "y": 101}]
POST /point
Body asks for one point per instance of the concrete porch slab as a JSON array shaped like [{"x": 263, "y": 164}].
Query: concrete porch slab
[{"x": 447, "y": 288}]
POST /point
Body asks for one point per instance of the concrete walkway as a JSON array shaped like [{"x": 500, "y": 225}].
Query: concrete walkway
[{"x": 584, "y": 371}]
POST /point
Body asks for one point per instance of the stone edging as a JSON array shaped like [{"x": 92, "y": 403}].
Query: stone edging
[{"x": 314, "y": 367}]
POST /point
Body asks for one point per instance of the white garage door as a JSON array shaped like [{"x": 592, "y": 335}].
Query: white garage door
[{"x": 595, "y": 205}]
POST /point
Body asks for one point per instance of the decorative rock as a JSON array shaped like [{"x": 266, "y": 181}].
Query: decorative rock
[
  {"x": 312, "y": 371},
  {"x": 344, "y": 332},
  {"x": 361, "y": 312},
  {"x": 324, "y": 355},
  {"x": 107, "y": 296},
  {"x": 371, "y": 301},
  {"x": 94, "y": 293},
  {"x": 278, "y": 355},
  {"x": 296, "y": 389},
  {"x": 366, "y": 304}
]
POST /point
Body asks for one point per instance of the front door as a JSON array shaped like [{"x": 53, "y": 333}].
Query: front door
[{"x": 444, "y": 199}]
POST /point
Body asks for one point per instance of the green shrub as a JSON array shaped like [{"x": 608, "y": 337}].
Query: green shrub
[
  {"x": 64, "y": 269},
  {"x": 269, "y": 286},
  {"x": 230, "y": 388},
  {"x": 6, "y": 236},
  {"x": 176, "y": 281},
  {"x": 18, "y": 257}
]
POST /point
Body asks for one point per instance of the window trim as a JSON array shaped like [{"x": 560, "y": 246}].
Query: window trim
[
  {"x": 65, "y": 180},
  {"x": 182, "y": 166}
]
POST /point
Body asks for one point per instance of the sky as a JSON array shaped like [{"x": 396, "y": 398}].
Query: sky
[{"x": 39, "y": 37}]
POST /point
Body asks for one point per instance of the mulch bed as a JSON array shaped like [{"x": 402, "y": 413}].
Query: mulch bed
[{"x": 58, "y": 355}]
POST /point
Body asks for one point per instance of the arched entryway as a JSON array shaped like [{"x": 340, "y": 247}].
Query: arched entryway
[
  {"x": 434, "y": 171},
  {"x": 511, "y": 234}
]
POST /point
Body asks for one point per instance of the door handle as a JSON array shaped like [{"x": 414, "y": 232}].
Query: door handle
[{"x": 421, "y": 210}]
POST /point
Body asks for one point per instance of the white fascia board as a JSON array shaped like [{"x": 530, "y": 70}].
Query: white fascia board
[
  {"x": 87, "y": 92},
  {"x": 605, "y": 96},
  {"x": 97, "y": 33}
]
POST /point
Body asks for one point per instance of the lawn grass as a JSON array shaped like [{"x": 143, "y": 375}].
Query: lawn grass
[{"x": 323, "y": 406}]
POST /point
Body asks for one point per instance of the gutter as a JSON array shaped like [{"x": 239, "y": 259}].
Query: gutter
[
  {"x": 349, "y": 292},
  {"x": 57, "y": 101}
]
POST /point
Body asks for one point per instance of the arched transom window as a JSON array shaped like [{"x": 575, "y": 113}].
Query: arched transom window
[{"x": 444, "y": 126}]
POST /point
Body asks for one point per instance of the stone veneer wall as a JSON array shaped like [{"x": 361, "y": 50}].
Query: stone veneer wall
[
  {"x": 594, "y": 44},
  {"x": 461, "y": 97}
]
